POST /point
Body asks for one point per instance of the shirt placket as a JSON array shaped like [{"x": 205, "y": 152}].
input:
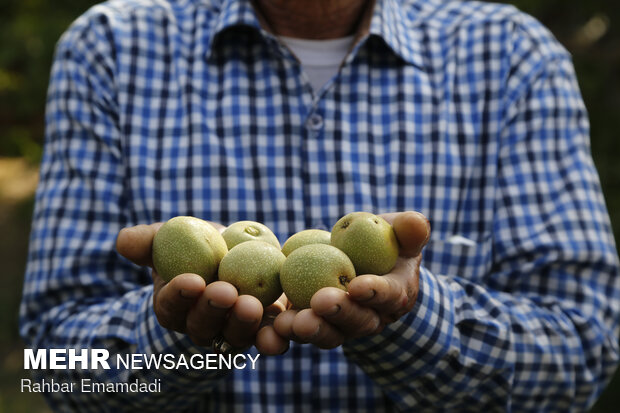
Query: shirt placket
[{"x": 313, "y": 163}]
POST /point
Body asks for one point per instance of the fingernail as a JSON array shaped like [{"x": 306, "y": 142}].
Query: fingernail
[
  {"x": 214, "y": 305},
  {"x": 428, "y": 226},
  {"x": 379, "y": 328},
  {"x": 377, "y": 324},
  {"x": 333, "y": 311},
  {"x": 249, "y": 318},
  {"x": 367, "y": 295}
]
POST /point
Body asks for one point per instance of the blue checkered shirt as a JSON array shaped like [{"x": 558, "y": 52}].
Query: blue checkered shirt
[{"x": 467, "y": 112}]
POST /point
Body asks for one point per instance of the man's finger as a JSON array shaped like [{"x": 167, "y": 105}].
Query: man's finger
[
  {"x": 135, "y": 243},
  {"x": 392, "y": 295},
  {"x": 353, "y": 319},
  {"x": 308, "y": 326},
  {"x": 245, "y": 317},
  {"x": 412, "y": 230},
  {"x": 206, "y": 319},
  {"x": 173, "y": 300},
  {"x": 158, "y": 283},
  {"x": 269, "y": 342},
  {"x": 283, "y": 324},
  {"x": 406, "y": 273},
  {"x": 272, "y": 311},
  {"x": 385, "y": 294}
]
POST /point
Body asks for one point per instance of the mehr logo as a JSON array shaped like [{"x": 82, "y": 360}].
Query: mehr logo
[{"x": 66, "y": 358}]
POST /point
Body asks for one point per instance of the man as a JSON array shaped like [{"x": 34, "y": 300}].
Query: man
[{"x": 466, "y": 112}]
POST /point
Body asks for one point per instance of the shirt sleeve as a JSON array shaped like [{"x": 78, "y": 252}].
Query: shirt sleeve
[
  {"x": 538, "y": 331},
  {"x": 79, "y": 293}
]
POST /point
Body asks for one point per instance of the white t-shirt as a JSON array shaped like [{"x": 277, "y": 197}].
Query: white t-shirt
[{"x": 320, "y": 59}]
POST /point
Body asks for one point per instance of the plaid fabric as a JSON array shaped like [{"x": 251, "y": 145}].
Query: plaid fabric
[{"x": 467, "y": 112}]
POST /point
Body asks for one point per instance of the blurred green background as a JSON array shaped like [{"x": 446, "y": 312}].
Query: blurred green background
[{"x": 29, "y": 30}]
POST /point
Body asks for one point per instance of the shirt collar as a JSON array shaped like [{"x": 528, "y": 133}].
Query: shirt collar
[
  {"x": 236, "y": 13},
  {"x": 232, "y": 13},
  {"x": 385, "y": 18},
  {"x": 398, "y": 29}
]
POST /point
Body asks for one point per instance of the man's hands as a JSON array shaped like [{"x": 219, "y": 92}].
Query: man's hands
[
  {"x": 203, "y": 312},
  {"x": 371, "y": 301}
]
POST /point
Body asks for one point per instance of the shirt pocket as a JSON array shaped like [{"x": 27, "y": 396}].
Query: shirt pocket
[{"x": 456, "y": 256}]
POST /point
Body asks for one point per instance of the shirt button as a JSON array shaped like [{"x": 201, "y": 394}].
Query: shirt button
[{"x": 315, "y": 122}]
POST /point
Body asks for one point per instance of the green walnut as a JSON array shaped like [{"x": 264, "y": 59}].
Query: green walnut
[
  {"x": 368, "y": 240},
  {"x": 187, "y": 244},
  {"x": 306, "y": 237},
  {"x": 253, "y": 267},
  {"x": 312, "y": 267},
  {"x": 243, "y": 231}
]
